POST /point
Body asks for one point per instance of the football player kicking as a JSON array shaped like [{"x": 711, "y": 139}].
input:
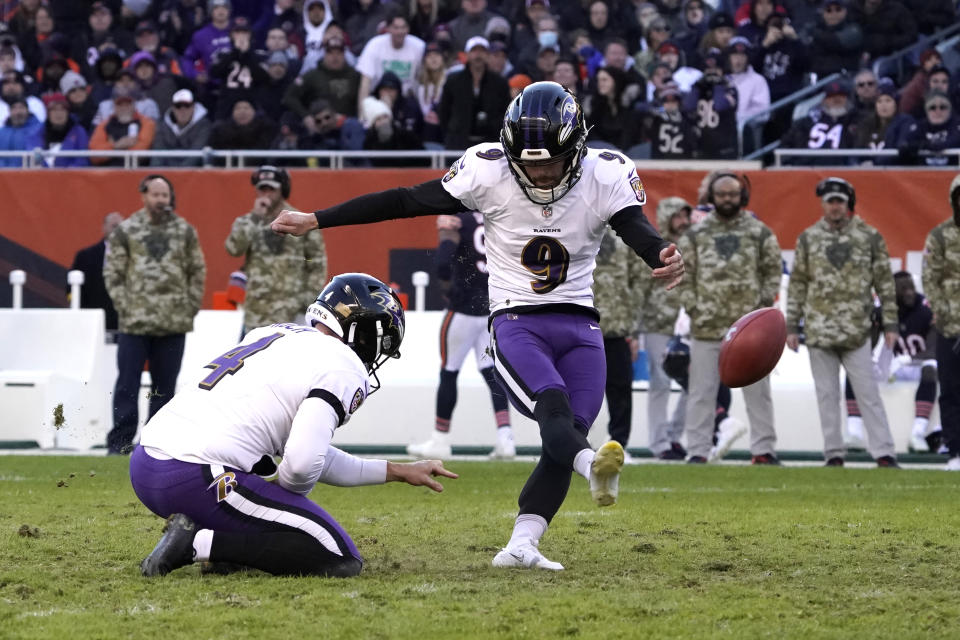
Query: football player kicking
[
  {"x": 282, "y": 391},
  {"x": 546, "y": 201}
]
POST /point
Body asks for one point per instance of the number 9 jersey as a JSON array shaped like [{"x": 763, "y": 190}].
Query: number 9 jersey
[{"x": 541, "y": 254}]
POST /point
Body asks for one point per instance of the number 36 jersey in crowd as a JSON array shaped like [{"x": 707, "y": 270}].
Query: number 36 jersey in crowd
[
  {"x": 542, "y": 254},
  {"x": 241, "y": 405}
]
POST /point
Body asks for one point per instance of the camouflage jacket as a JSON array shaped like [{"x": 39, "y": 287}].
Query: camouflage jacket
[
  {"x": 732, "y": 267},
  {"x": 616, "y": 287},
  {"x": 284, "y": 273},
  {"x": 155, "y": 274},
  {"x": 835, "y": 273},
  {"x": 941, "y": 276},
  {"x": 660, "y": 307}
]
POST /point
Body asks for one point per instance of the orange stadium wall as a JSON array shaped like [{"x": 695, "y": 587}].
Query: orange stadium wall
[{"x": 55, "y": 213}]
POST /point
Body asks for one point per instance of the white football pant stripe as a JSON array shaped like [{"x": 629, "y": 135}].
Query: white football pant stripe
[{"x": 514, "y": 386}]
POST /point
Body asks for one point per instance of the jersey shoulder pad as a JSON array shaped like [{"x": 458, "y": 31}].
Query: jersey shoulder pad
[
  {"x": 487, "y": 162},
  {"x": 608, "y": 166}
]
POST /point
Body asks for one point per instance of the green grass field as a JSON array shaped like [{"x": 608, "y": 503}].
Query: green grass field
[{"x": 728, "y": 551}]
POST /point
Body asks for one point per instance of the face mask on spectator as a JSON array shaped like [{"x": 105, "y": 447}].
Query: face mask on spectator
[{"x": 547, "y": 38}]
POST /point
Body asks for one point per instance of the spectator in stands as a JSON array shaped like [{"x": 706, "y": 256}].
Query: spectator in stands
[
  {"x": 753, "y": 94},
  {"x": 125, "y": 129},
  {"x": 938, "y": 130},
  {"x": 61, "y": 132},
  {"x": 317, "y": 15},
  {"x": 546, "y": 63},
  {"x": 805, "y": 16},
  {"x": 473, "y": 100},
  {"x": 827, "y": 126},
  {"x": 82, "y": 107},
  {"x": 423, "y": 16},
  {"x": 498, "y": 60},
  {"x": 932, "y": 15},
  {"x": 604, "y": 110},
  {"x": 93, "y": 291},
  {"x": 471, "y": 22},
  {"x": 887, "y": 25},
  {"x": 12, "y": 89},
  {"x": 405, "y": 108},
  {"x": 18, "y": 129},
  {"x": 712, "y": 102},
  {"x": 433, "y": 75},
  {"x": 615, "y": 56},
  {"x": 238, "y": 70},
  {"x": 127, "y": 81},
  {"x": 837, "y": 41},
  {"x": 208, "y": 42},
  {"x": 671, "y": 133},
  {"x": 884, "y": 127},
  {"x": 395, "y": 51},
  {"x": 155, "y": 85},
  {"x": 333, "y": 80},
  {"x": 669, "y": 54},
  {"x": 719, "y": 35},
  {"x": 864, "y": 93},
  {"x": 8, "y": 57},
  {"x": 645, "y": 13},
  {"x": 179, "y": 20},
  {"x": 755, "y": 27},
  {"x": 911, "y": 97},
  {"x": 244, "y": 129},
  {"x": 101, "y": 31},
  {"x": 31, "y": 43},
  {"x": 184, "y": 127},
  {"x": 23, "y": 18},
  {"x": 565, "y": 74},
  {"x": 365, "y": 23},
  {"x": 546, "y": 34},
  {"x": 660, "y": 75},
  {"x": 147, "y": 39},
  {"x": 598, "y": 24},
  {"x": 696, "y": 21},
  {"x": 938, "y": 79},
  {"x": 383, "y": 134},
  {"x": 782, "y": 59},
  {"x": 106, "y": 71},
  {"x": 277, "y": 41},
  {"x": 270, "y": 94},
  {"x": 331, "y": 131},
  {"x": 54, "y": 66},
  {"x": 154, "y": 272},
  {"x": 657, "y": 33},
  {"x": 287, "y": 17}
]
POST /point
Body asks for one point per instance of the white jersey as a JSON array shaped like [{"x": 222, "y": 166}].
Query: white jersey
[
  {"x": 379, "y": 56},
  {"x": 542, "y": 254},
  {"x": 242, "y": 405}
]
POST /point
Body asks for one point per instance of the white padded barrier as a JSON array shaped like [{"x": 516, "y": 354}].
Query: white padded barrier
[{"x": 53, "y": 358}]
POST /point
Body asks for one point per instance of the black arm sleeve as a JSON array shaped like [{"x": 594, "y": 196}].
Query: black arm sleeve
[
  {"x": 425, "y": 199},
  {"x": 634, "y": 228}
]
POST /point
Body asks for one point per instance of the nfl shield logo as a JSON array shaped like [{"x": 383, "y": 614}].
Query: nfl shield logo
[{"x": 547, "y": 212}]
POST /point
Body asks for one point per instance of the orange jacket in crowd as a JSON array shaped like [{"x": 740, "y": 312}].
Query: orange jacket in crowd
[{"x": 99, "y": 141}]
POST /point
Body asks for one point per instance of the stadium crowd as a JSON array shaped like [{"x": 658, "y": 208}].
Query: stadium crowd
[{"x": 663, "y": 79}]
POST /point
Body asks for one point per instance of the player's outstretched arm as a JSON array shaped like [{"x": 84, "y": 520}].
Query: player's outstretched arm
[
  {"x": 672, "y": 269},
  {"x": 294, "y": 222},
  {"x": 419, "y": 474}
]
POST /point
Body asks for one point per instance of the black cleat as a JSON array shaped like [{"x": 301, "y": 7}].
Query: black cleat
[
  {"x": 175, "y": 548},
  {"x": 887, "y": 462},
  {"x": 676, "y": 446},
  {"x": 765, "y": 458},
  {"x": 696, "y": 460},
  {"x": 671, "y": 454},
  {"x": 934, "y": 440},
  {"x": 835, "y": 461}
]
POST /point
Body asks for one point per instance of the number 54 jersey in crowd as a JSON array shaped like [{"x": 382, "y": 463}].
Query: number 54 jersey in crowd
[
  {"x": 241, "y": 405},
  {"x": 542, "y": 254}
]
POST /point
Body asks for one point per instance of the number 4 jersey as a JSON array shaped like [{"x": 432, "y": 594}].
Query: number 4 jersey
[
  {"x": 542, "y": 254},
  {"x": 240, "y": 406}
]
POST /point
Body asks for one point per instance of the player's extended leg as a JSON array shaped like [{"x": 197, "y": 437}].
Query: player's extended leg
[
  {"x": 166, "y": 355},
  {"x": 131, "y": 355},
  {"x": 226, "y": 515},
  {"x": 857, "y": 436}
]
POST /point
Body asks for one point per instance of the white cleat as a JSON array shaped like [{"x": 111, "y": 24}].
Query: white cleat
[
  {"x": 504, "y": 450},
  {"x": 918, "y": 444},
  {"x": 730, "y": 431},
  {"x": 953, "y": 464},
  {"x": 605, "y": 473},
  {"x": 525, "y": 556},
  {"x": 430, "y": 450}
]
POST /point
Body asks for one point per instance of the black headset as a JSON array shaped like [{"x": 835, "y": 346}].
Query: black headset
[
  {"x": 278, "y": 173},
  {"x": 156, "y": 176},
  {"x": 832, "y": 183},
  {"x": 744, "y": 187}
]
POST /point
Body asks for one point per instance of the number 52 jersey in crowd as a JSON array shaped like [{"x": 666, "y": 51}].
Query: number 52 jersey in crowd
[
  {"x": 542, "y": 254},
  {"x": 241, "y": 405}
]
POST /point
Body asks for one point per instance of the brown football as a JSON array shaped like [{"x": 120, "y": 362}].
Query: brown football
[{"x": 752, "y": 347}]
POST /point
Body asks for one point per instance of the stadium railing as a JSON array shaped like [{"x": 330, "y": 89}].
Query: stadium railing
[
  {"x": 895, "y": 63},
  {"x": 845, "y": 155},
  {"x": 232, "y": 158}
]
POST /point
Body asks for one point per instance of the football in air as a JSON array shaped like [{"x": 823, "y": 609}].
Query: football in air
[{"x": 752, "y": 347}]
